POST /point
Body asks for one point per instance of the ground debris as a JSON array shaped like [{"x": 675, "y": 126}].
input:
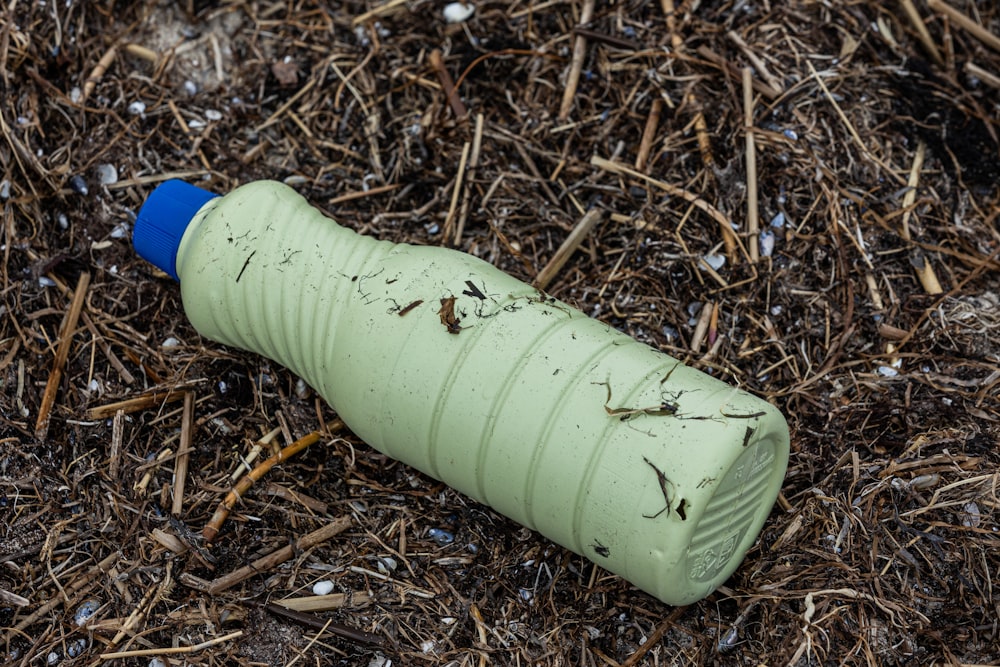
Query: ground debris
[{"x": 870, "y": 319}]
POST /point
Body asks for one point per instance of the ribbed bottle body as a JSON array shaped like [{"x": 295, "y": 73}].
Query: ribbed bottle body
[{"x": 604, "y": 445}]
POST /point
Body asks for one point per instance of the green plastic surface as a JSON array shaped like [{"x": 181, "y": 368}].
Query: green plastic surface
[{"x": 651, "y": 469}]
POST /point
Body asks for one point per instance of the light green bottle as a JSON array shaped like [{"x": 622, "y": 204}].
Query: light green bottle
[{"x": 651, "y": 469}]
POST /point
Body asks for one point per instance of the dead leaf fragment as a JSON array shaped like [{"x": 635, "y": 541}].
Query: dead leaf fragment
[
  {"x": 447, "y": 314},
  {"x": 286, "y": 72}
]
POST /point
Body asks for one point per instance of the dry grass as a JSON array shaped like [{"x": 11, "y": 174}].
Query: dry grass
[{"x": 874, "y": 323}]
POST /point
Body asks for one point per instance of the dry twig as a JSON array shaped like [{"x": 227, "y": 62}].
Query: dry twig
[
  {"x": 66, "y": 332},
  {"x": 211, "y": 530},
  {"x": 966, "y": 23},
  {"x": 582, "y": 229},
  {"x": 275, "y": 558},
  {"x": 576, "y": 64},
  {"x": 753, "y": 211}
]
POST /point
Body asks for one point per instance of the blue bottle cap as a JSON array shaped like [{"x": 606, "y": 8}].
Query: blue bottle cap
[{"x": 162, "y": 221}]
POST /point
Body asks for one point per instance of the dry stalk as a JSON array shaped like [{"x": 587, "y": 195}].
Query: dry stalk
[
  {"x": 280, "y": 111},
  {"x": 275, "y": 558},
  {"x": 753, "y": 211},
  {"x": 922, "y": 32},
  {"x": 447, "y": 85},
  {"x": 449, "y": 221},
  {"x": 966, "y": 23},
  {"x": 172, "y": 650},
  {"x": 142, "y": 52},
  {"x": 109, "y": 354},
  {"x": 183, "y": 454},
  {"x": 80, "y": 585},
  {"x": 733, "y": 72},
  {"x": 114, "y": 455},
  {"x": 153, "y": 595},
  {"x": 649, "y": 134},
  {"x": 850, "y": 127},
  {"x": 66, "y": 332},
  {"x": 136, "y": 404},
  {"x": 576, "y": 64},
  {"x": 912, "y": 184},
  {"x": 989, "y": 78},
  {"x": 755, "y": 60},
  {"x": 353, "y": 599},
  {"x": 724, "y": 227},
  {"x": 925, "y": 272},
  {"x": 654, "y": 638},
  {"x": 211, "y": 530},
  {"x": 382, "y": 10},
  {"x": 670, "y": 12},
  {"x": 310, "y": 503},
  {"x": 924, "y": 269},
  {"x": 254, "y": 452},
  {"x": 477, "y": 143},
  {"x": 325, "y": 625},
  {"x": 579, "y": 232},
  {"x": 701, "y": 327},
  {"x": 362, "y": 194},
  {"x": 97, "y": 73}
]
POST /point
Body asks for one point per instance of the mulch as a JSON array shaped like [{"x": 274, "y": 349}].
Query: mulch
[{"x": 798, "y": 197}]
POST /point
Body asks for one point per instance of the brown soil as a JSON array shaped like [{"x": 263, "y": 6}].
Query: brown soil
[{"x": 874, "y": 324}]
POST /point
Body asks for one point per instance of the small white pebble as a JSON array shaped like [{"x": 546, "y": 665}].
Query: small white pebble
[
  {"x": 88, "y": 607},
  {"x": 766, "y": 243},
  {"x": 190, "y": 87},
  {"x": 778, "y": 220},
  {"x": 76, "y": 648},
  {"x": 301, "y": 389},
  {"x": 63, "y": 221},
  {"x": 107, "y": 174},
  {"x": 157, "y": 662},
  {"x": 387, "y": 564},
  {"x": 361, "y": 35},
  {"x": 5, "y": 189},
  {"x": 93, "y": 386},
  {"x": 45, "y": 281},
  {"x": 928, "y": 481},
  {"x": 324, "y": 587},
  {"x": 715, "y": 261},
  {"x": 458, "y": 12},
  {"x": 137, "y": 108},
  {"x": 170, "y": 342},
  {"x": 887, "y": 371},
  {"x": 120, "y": 231},
  {"x": 75, "y": 95},
  {"x": 196, "y": 124},
  {"x": 212, "y": 114},
  {"x": 53, "y": 658},
  {"x": 427, "y": 646}
]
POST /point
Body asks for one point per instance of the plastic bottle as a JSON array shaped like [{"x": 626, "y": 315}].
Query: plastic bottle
[{"x": 651, "y": 469}]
